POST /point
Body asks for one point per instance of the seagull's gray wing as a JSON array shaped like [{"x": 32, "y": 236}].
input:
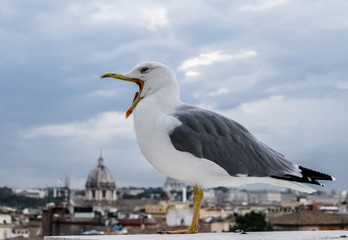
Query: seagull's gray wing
[{"x": 209, "y": 135}]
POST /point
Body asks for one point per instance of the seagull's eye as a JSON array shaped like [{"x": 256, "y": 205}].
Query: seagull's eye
[{"x": 144, "y": 69}]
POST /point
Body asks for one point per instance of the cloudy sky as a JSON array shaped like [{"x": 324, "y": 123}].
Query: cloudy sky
[{"x": 279, "y": 67}]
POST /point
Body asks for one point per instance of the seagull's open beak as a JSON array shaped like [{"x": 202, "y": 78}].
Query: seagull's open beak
[{"x": 139, "y": 82}]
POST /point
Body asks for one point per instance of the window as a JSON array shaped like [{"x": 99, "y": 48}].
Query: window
[{"x": 104, "y": 193}]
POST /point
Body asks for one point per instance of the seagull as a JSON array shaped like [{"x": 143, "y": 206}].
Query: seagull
[{"x": 199, "y": 146}]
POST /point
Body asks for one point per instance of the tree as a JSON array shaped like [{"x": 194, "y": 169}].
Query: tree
[
  {"x": 10, "y": 199},
  {"x": 252, "y": 222}
]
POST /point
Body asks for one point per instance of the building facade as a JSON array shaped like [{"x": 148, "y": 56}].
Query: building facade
[
  {"x": 8, "y": 230},
  {"x": 172, "y": 184}
]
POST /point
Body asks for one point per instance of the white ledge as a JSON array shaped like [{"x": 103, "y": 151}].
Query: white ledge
[{"x": 294, "y": 235}]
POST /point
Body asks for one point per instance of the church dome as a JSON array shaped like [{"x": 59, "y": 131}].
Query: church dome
[
  {"x": 100, "y": 176},
  {"x": 100, "y": 184}
]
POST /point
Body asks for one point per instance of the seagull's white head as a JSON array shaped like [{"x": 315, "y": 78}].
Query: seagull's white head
[{"x": 151, "y": 77}]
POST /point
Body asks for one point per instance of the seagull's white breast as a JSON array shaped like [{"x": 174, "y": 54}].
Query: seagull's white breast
[{"x": 152, "y": 125}]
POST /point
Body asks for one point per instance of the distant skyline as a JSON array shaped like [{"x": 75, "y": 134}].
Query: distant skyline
[{"x": 278, "y": 67}]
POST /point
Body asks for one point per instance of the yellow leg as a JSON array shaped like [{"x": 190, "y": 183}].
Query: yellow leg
[{"x": 197, "y": 200}]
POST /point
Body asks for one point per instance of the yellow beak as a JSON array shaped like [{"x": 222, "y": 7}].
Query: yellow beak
[{"x": 137, "y": 97}]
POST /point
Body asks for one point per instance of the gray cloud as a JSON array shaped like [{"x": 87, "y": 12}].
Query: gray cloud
[{"x": 56, "y": 114}]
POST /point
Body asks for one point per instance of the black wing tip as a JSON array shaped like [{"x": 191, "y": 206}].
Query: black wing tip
[
  {"x": 308, "y": 176},
  {"x": 306, "y": 172},
  {"x": 299, "y": 179}
]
